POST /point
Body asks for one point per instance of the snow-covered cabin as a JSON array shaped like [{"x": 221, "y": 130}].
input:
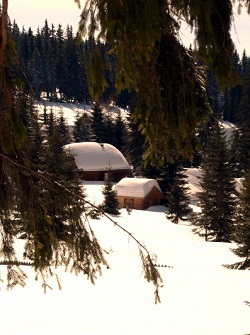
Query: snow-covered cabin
[
  {"x": 94, "y": 160},
  {"x": 138, "y": 193}
]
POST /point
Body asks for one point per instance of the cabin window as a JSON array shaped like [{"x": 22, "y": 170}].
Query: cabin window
[{"x": 129, "y": 203}]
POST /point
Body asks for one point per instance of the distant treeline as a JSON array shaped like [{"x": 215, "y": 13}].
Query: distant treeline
[{"x": 53, "y": 61}]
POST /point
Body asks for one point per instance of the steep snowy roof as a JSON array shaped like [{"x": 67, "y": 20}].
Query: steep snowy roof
[
  {"x": 92, "y": 156},
  {"x": 136, "y": 187}
]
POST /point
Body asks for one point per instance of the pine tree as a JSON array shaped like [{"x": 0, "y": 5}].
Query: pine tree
[
  {"x": 111, "y": 203},
  {"x": 48, "y": 57},
  {"x": 64, "y": 129},
  {"x": 213, "y": 93},
  {"x": 109, "y": 135},
  {"x": 177, "y": 199},
  {"x": 243, "y": 125},
  {"x": 217, "y": 191},
  {"x": 235, "y": 153},
  {"x": 120, "y": 133},
  {"x": 134, "y": 146},
  {"x": 241, "y": 231},
  {"x": 97, "y": 125},
  {"x": 232, "y": 96},
  {"x": 62, "y": 74},
  {"x": 81, "y": 131}
]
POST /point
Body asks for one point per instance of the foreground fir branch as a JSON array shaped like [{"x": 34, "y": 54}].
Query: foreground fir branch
[
  {"x": 76, "y": 247},
  {"x": 150, "y": 272},
  {"x": 151, "y": 60}
]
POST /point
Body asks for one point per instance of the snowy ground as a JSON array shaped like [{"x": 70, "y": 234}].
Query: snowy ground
[
  {"x": 199, "y": 297},
  {"x": 70, "y": 110}
]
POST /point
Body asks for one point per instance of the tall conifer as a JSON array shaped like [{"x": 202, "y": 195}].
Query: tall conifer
[
  {"x": 98, "y": 126},
  {"x": 110, "y": 204},
  {"x": 176, "y": 195},
  {"x": 217, "y": 191},
  {"x": 243, "y": 124},
  {"x": 241, "y": 231}
]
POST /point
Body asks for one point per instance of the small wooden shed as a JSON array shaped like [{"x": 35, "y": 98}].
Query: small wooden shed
[
  {"x": 138, "y": 193},
  {"x": 95, "y": 160}
]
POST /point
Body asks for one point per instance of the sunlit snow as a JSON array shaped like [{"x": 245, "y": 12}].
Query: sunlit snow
[{"x": 199, "y": 296}]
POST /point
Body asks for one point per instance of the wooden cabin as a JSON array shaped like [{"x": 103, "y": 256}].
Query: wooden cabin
[
  {"x": 95, "y": 160},
  {"x": 138, "y": 193}
]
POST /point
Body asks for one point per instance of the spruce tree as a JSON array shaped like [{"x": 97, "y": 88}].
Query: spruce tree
[
  {"x": 234, "y": 153},
  {"x": 62, "y": 74},
  {"x": 232, "y": 96},
  {"x": 64, "y": 129},
  {"x": 176, "y": 196},
  {"x": 97, "y": 125},
  {"x": 120, "y": 133},
  {"x": 109, "y": 136},
  {"x": 48, "y": 58},
  {"x": 81, "y": 131},
  {"x": 134, "y": 146},
  {"x": 217, "y": 191},
  {"x": 110, "y": 204},
  {"x": 241, "y": 231},
  {"x": 243, "y": 125}
]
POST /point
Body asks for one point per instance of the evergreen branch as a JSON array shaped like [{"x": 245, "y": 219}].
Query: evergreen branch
[
  {"x": 42, "y": 176},
  {"x": 151, "y": 274},
  {"x": 26, "y": 168}
]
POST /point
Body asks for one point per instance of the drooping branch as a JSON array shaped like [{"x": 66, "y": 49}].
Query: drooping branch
[{"x": 151, "y": 273}]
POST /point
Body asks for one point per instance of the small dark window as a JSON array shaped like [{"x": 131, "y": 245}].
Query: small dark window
[{"x": 129, "y": 203}]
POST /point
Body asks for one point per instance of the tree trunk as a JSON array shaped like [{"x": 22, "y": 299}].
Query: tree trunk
[{"x": 3, "y": 33}]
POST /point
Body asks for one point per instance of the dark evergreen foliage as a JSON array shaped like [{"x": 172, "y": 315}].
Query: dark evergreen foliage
[
  {"x": 169, "y": 82},
  {"x": 134, "y": 146},
  {"x": 242, "y": 155},
  {"x": 120, "y": 133},
  {"x": 109, "y": 136},
  {"x": 241, "y": 231},
  {"x": 213, "y": 93},
  {"x": 234, "y": 154},
  {"x": 110, "y": 204},
  {"x": 82, "y": 131},
  {"x": 48, "y": 207},
  {"x": 40, "y": 197},
  {"x": 51, "y": 61},
  {"x": 217, "y": 184},
  {"x": 176, "y": 193},
  {"x": 64, "y": 129},
  {"x": 97, "y": 125},
  {"x": 232, "y": 95}
]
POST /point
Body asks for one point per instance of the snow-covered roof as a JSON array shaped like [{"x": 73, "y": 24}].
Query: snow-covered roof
[
  {"x": 136, "y": 187},
  {"x": 93, "y": 156}
]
